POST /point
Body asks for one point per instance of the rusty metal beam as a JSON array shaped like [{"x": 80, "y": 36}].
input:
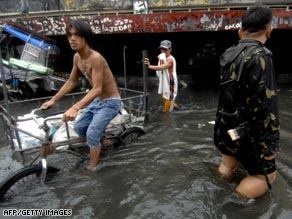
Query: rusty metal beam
[{"x": 158, "y": 22}]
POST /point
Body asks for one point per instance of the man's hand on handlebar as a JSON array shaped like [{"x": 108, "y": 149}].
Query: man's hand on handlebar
[
  {"x": 70, "y": 114},
  {"x": 47, "y": 104}
]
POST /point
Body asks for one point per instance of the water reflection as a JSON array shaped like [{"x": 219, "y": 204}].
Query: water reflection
[{"x": 168, "y": 173}]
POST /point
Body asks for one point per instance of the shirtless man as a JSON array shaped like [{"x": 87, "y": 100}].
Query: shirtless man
[{"x": 102, "y": 102}]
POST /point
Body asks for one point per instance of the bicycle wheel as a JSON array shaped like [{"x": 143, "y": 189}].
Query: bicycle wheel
[
  {"x": 130, "y": 135},
  {"x": 24, "y": 92},
  {"x": 22, "y": 180}
]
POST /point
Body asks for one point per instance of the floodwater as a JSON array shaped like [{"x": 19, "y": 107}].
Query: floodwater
[{"x": 169, "y": 173}]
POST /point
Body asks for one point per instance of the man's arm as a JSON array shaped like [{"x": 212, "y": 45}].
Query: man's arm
[
  {"x": 164, "y": 66},
  {"x": 69, "y": 85},
  {"x": 264, "y": 105}
]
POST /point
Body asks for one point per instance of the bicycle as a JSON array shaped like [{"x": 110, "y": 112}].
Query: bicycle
[{"x": 116, "y": 136}]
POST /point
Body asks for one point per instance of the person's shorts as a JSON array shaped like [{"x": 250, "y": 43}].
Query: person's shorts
[
  {"x": 250, "y": 159},
  {"x": 95, "y": 118}
]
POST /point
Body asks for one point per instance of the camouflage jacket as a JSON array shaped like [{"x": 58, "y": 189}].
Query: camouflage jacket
[{"x": 248, "y": 86}]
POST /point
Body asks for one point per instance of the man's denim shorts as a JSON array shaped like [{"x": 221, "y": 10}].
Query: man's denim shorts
[{"x": 95, "y": 118}]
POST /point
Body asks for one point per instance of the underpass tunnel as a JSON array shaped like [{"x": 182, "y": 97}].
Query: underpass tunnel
[{"x": 197, "y": 53}]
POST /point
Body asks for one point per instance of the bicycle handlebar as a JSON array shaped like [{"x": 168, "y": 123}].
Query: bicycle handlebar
[
  {"x": 43, "y": 124},
  {"x": 33, "y": 115}
]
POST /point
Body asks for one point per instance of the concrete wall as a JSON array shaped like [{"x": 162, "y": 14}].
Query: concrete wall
[{"x": 14, "y": 6}]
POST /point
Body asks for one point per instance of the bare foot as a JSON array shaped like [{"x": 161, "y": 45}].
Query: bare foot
[
  {"x": 106, "y": 143},
  {"x": 89, "y": 168},
  {"x": 92, "y": 169}
]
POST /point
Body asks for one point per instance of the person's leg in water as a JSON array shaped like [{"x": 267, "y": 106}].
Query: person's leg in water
[
  {"x": 163, "y": 101},
  {"x": 94, "y": 133},
  {"x": 227, "y": 166},
  {"x": 168, "y": 105},
  {"x": 81, "y": 127},
  {"x": 94, "y": 158},
  {"x": 251, "y": 186},
  {"x": 254, "y": 186},
  {"x": 92, "y": 124}
]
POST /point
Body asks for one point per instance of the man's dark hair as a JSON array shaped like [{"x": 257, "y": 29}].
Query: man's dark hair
[
  {"x": 82, "y": 28},
  {"x": 256, "y": 18}
]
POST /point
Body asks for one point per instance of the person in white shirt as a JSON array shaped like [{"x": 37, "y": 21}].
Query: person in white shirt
[{"x": 166, "y": 72}]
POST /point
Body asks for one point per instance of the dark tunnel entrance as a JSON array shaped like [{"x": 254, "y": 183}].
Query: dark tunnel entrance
[{"x": 197, "y": 53}]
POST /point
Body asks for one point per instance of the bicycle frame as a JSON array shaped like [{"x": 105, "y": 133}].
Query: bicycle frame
[{"x": 134, "y": 102}]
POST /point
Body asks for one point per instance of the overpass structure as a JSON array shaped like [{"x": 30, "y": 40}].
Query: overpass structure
[
  {"x": 121, "y": 33},
  {"x": 172, "y": 16}
]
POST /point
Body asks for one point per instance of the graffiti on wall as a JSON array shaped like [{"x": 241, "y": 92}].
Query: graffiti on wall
[
  {"x": 14, "y": 6},
  {"x": 151, "y": 23},
  {"x": 57, "y": 25},
  {"x": 183, "y": 3}
]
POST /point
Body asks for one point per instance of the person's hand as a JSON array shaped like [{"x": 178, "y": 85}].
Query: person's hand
[
  {"x": 270, "y": 157},
  {"x": 146, "y": 61},
  {"x": 70, "y": 114},
  {"x": 47, "y": 104}
]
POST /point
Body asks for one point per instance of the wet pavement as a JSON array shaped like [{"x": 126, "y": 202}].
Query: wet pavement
[{"x": 168, "y": 173}]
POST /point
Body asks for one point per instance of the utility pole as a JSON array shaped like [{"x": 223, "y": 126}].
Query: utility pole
[{"x": 145, "y": 80}]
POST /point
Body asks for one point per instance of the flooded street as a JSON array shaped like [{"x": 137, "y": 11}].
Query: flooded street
[{"x": 168, "y": 173}]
